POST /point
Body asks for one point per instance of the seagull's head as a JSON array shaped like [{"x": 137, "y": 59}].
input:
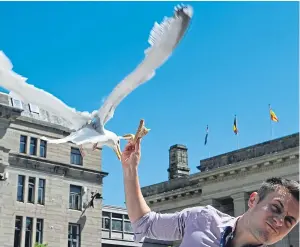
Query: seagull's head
[{"x": 114, "y": 143}]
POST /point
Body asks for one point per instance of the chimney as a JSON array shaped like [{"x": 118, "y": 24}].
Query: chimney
[{"x": 178, "y": 162}]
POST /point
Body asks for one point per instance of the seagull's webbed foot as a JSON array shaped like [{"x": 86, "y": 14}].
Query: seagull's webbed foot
[
  {"x": 81, "y": 151},
  {"x": 140, "y": 133},
  {"x": 95, "y": 146}
]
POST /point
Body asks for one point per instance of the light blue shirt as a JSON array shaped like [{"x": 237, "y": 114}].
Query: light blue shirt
[{"x": 196, "y": 227}]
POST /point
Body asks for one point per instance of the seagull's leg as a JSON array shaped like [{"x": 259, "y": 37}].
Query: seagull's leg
[
  {"x": 95, "y": 146},
  {"x": 81, "y": 151}
]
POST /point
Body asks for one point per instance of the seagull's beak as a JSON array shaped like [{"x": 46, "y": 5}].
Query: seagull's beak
[{"x": 118, "y": 152}]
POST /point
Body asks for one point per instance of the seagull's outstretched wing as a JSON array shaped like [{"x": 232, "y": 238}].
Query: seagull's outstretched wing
[
  {"x": 163, "y": 40},
  {"x": 17, "y": 84}
]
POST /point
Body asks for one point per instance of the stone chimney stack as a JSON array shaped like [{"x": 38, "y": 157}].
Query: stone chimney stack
[{"x": 178, "y": 162}]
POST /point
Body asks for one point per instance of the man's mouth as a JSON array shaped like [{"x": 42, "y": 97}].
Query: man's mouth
[{"x": 270, "y": 225}]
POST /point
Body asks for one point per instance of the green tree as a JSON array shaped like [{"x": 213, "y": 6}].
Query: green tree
[{"x": 40, "y": 245}]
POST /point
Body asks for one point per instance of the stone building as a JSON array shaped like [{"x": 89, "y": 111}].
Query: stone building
[
  {"x": 226, "y": 181},
  {"x": 116, "y": 227},
  {"x": 45, "y": 188},
  {"x": 117, "y": 231}
]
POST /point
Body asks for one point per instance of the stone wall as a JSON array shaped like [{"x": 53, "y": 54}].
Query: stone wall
[
  {"x": 227, "y": 186},
  {"x": 58, "y": 173},
  {"x": 248, "y": 153}
]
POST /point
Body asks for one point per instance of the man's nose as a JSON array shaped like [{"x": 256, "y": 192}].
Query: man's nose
[{"x": 279, "y": 220}]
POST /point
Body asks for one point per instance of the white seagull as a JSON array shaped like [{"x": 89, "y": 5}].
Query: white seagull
[{"x": 88, "y": 129}]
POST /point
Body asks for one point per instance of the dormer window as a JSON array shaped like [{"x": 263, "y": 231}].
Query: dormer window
[
  {"x": 34, "y": 108},
  {"x": 17, "y": 103}
]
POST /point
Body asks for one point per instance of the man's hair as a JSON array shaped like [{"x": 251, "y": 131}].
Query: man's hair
[{"x": 271, "y": 184}]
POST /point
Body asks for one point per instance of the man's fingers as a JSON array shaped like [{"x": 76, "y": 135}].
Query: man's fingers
[
  {"x": 129, "y": 146},
  {"x": 137, "y": 146}
]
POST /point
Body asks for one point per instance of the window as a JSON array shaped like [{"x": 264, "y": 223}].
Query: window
[
  {"x": 20, "y": 192},
  {"x": 33, "y": 143},
  {"x": 75, "y": 197},
  {"x": 127, "y": 226},
  {"x": 18, "y": 231},
  {"x": 39, "y": 231},
  {"x": 28, "y": 234},
  {"x": 117, "y": 216},
  {"x": 76, "y": 158},
  {"x": 31, "y": 189},
  {"x": 34, "y": 108},
  {"x": 116, "y": 225},
  {"x": 23, "y": 144},
  {"x": 117, "y": 222},
  {"x": 17, "y": 103},
  {"x": 43, "y": 148},
  {"x": 106, "y": 223},
  {"x": 41, "y": 191},
  {"x": 74, "y": 235},
  {"x": 106, "y": 220}
]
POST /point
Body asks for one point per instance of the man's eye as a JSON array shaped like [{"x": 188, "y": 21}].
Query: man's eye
[
  {"x": 289, "y": 222},
  {"x": 276, "y": 209}
]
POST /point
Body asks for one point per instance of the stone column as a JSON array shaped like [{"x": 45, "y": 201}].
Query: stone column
[
  {"x": 212, "y": 202},
  {"x": 283, "y": 243},
  {"x": 23, "y": 231},
  {"x": 110, "y": 225},
  {"x": 293, "y": 236},
  {"x": 38, "y": 143},
  {"x": 25, "y": 192},
  {"x": 28, "y": 144},
  {"x": 36, "y": 190},
  {"x": 33, "y": 233},
  {"x": 240, "y": 202}
]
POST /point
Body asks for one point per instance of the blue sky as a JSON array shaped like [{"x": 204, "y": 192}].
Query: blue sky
[{"x": 236, "y": 58}]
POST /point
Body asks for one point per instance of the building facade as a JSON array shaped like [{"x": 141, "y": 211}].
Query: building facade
[
  {"x": 46, "y": 189},
  {"x": 116, "y": 227},
  {"x": 117, "y": 231},
  {"x": 226, "y": 181}
]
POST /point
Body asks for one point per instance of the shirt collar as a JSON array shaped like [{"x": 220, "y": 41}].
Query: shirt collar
[{"x": 233, "y": 223}]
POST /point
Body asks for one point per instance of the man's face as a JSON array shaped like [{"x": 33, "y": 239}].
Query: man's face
[{"x": 274, "y": 217}]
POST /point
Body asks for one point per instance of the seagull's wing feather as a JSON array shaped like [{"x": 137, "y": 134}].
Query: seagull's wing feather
[
  {"x": 17, "y": 84},
  {"x": 82, "y": 136},
  {"x": 163, "y": 40}
]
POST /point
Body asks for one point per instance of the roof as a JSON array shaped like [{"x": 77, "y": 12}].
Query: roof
[{"x": 34, "y": 112}]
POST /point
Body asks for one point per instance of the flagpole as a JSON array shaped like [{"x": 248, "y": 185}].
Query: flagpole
[{"x": 208, "y": 150}]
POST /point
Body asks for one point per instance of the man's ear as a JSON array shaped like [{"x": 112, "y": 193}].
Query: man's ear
[{"x": 253, "y": 199}]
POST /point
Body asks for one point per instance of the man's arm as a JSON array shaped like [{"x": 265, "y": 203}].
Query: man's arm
[
  {"x": 146, "y": 223},
  {"x": 135, "y": 202}
]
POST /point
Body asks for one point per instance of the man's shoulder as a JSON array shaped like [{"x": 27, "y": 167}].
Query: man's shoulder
[{"x": 208, "y": 211}]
